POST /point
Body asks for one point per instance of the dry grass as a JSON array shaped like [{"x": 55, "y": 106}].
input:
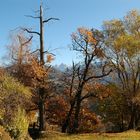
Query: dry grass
[
  {"x": 3, "y": 134},
  {"x": 128, "y": 135}
]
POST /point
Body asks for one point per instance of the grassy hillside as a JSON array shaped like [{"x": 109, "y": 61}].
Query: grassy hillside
[{"x": 129, "y": 135}]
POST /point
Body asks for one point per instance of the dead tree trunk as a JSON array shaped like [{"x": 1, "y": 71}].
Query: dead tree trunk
[
  {"x": 41, "y": 37},
  {"x": 41, "y": 90},
  {"x": 42, "y": 93}
]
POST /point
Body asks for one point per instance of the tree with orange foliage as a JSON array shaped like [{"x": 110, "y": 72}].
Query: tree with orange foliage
[{"x": 89, "y": 44}]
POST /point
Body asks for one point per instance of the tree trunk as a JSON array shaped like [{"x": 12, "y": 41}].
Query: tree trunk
[
  {"x": 137, "y": 119},
  {"x": 67, "y": 121},
  {"x": 122, "y": 124},
  {"x": 76, "y": 116},
  {"x": 41, "y": 37},
  {"x": 41, "y": 89},
  {"x": 132, "y": 124},
  {"x": 42, "y": 126}
]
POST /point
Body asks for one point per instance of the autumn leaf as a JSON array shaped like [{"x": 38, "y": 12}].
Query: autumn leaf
[{"x": 50, "y": 58}]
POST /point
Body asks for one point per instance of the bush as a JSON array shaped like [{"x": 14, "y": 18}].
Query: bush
[
  {"x": 87, "y": 122},
  {"x": 14, "y": 99},
  {"x": 18, "y": 128},
  {"x": 12, "y": 94}
]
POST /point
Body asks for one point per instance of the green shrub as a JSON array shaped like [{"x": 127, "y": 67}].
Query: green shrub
[
  {"x": 12, "y": 95},
  {"x": 14, "y": 100},
  {"x": 18, "y": 128}
]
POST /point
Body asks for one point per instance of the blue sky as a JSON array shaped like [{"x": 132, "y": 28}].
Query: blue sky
[{"x": 72, "y": 14}]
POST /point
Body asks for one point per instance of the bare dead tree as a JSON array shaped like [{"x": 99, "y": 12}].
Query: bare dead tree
[{"x": 42, "y": 93}]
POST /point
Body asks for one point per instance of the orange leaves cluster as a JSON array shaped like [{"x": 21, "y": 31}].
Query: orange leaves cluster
[
  {"x": 88, "y": 35},
  {"x": 38, "y": 70},
  {"x": 88, "y": 120},
  {"x": 50, "y": 58},
  {"x": 31, "y": 73},
  {"x": 99, "y": 90},
  {"x": 103, "y": 91},
  {"x": 56, "y": 110},
  {"x": 88, "y": 87},
  {"x": 85, "y": 41}
]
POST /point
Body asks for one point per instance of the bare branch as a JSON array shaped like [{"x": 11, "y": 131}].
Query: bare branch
[
  {"x": 32, "y": 16},
  {"x": 26, "y": 42},
  {"x": 72, "y": 80},
  {"x": 81, "y": 49},
  {"x": 89, "y": 95},
  {"x": 14, "y": 57},
  {"x": 47, "y": 20},
  {"x": 35, "y": 51},
  {"x": 99, "y": 76},
  {"x": 49, "y": 67},
  {"x": 36, "y": 11},
  {"x": 49, "y": 53},
  {"x": 78, "y": 74},
  {"x": 29, "y": 31},
  {"x": 95, "y": 95}
]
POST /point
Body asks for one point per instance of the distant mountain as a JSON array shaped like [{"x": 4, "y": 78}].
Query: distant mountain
[{"x": 62, "y": 67}]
